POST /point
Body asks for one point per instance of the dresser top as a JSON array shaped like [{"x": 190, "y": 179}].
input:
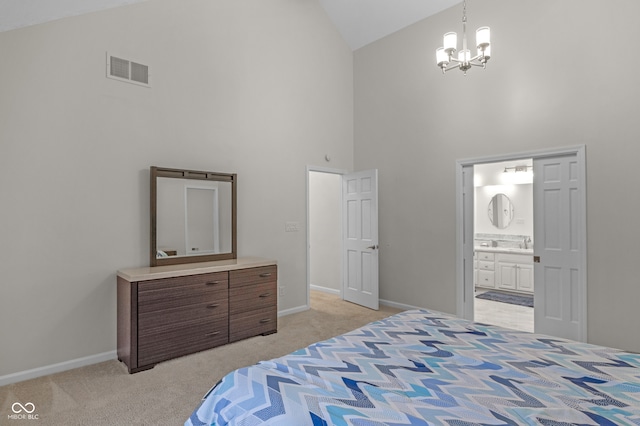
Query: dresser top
[{"x": 170, "y": 271}]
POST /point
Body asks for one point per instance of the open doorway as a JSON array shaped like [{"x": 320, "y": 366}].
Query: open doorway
[
  {"x": 560, "y": 233},
  {"x": 503, "y": 244},
  {"x": 342, "y": 234},
  {"x": 325, "y": 232}
]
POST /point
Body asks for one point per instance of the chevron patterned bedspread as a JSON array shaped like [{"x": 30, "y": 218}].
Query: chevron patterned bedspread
[{"x": 427, "y": 368}]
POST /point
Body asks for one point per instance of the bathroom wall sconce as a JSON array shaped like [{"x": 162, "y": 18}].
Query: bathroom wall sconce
[{"x": 516, "y": 169}]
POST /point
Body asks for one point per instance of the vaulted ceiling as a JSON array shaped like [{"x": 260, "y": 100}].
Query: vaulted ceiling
[{"x": 359, "y": 21}]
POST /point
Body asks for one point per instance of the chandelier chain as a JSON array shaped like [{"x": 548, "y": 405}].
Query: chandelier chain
[{"x": 464, "y": 12}]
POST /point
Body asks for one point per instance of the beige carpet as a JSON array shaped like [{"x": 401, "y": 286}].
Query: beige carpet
[{"x": 105, "y": 394}]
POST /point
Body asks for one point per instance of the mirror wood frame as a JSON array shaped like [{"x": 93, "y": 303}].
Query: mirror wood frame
[{"x": 158, "y": 172}]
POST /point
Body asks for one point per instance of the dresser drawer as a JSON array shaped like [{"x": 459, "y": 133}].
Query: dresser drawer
[
  {"x": 181, "y": 340},
  {"x": 215, "y": 308},
  {"x": 249, "y": 298},
  {"x": 253, "y": 276},
  {"x": 155, "y": 295},
  {"x": 252, "y": 323}
]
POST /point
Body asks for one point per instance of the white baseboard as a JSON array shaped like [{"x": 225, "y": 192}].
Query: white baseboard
[
  {"x": 57, "y": 368},
  {"x": 293, "y": 310},
  {"x": 382, "y": 301},
  {"x": 325, "y": 289},
  {"x": 398, "y": 305}
]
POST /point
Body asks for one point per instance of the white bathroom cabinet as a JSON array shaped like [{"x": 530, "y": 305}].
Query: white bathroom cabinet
[
  {"x": 514, "y": 272},
  {"x": 505, "y": 271}
]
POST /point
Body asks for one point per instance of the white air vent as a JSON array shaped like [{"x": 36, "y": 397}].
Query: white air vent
[
  {"x": 139, "y": 73},
  {"x": 129, "y": 71}
]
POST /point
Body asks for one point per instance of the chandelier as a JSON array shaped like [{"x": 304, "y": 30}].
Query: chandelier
[{"x": 464, "y": 61}]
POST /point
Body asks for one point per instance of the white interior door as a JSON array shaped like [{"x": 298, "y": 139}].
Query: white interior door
[
  {"x": 360, "y": 238},
  {"x": 559, "y": 245}
]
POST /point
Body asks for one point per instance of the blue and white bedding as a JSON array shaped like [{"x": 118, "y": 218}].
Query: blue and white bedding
[{"x": 427, "y": 368}]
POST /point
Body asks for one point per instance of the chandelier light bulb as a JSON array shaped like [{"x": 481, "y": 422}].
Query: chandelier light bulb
[
  {"x": 483, "y": 36},
  {"x": 442, "y": 57},
  {"x": 450, "y": 42}
]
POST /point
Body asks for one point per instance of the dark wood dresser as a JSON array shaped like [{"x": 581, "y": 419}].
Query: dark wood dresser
[{"x": 169, "y": 311}]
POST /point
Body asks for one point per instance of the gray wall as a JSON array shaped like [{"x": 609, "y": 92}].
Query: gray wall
[
  {"x": 258, "y": 88},
  {"x": 561, "y": 75}
]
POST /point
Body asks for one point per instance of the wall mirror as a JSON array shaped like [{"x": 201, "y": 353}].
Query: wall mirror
[
  {"x": 501, "y": 211},
  {"x": 193, "y": 216}
]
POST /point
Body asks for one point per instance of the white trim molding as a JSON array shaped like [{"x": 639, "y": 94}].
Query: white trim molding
[
  {"x": 325, "y": 289},
  {"x": 57, "y": 368},
  {"x": 293, "y": 310},
  {"x": 398, "y": 305}
]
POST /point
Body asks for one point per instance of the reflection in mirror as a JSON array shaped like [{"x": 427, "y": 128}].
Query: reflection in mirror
[
  {"x": 501, "y": 211},
  {"x": 192, "y": 216}
]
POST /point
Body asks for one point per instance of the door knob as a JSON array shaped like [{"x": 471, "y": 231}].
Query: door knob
[
  {"x": 373, "y": 247},
  {"x": 536, "y": 259}
]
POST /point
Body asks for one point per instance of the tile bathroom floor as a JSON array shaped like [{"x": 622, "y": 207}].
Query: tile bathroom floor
[{"x": 503, "y": 314}]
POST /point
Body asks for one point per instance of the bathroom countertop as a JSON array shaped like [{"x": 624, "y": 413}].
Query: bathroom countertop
[{"x": 513, "y": 250}]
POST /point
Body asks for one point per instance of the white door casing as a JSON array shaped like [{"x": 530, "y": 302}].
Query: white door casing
[
  {"x": 360, "y": 238},
  {"x": 559, "y": 293},
  {"x": 464, "y": 246}
]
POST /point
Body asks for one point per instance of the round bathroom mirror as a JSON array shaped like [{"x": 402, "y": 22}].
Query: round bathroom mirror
[{"x": 500, "y": 211}]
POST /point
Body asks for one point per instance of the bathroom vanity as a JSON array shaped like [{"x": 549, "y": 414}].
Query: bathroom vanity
[{"x": 504, "y": 269}]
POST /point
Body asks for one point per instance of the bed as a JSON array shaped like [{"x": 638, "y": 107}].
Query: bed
[{"x": 427, "y": 368}]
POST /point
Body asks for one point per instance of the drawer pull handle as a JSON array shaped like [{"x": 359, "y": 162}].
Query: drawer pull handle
[
  {"x": 265, "y": 275},
  {"x": 263, "y": 295},
  {"x": 213, "y": 305},
  {"x": 212, "y": 282},
  {"x": 265, "y": 320},
  {"x": 215, "y": 333}
]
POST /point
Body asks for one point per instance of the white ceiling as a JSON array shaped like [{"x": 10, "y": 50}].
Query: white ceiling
[
  {"x": 363, "y": 21},
  {"x": 22, "y": 13},
  {"x": 359, "y": 21}
]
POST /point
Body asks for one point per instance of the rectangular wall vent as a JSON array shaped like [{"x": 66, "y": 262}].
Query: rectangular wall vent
[
  {"x": 129, "y": 71},
  {"x": 139, "y": 73}
]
